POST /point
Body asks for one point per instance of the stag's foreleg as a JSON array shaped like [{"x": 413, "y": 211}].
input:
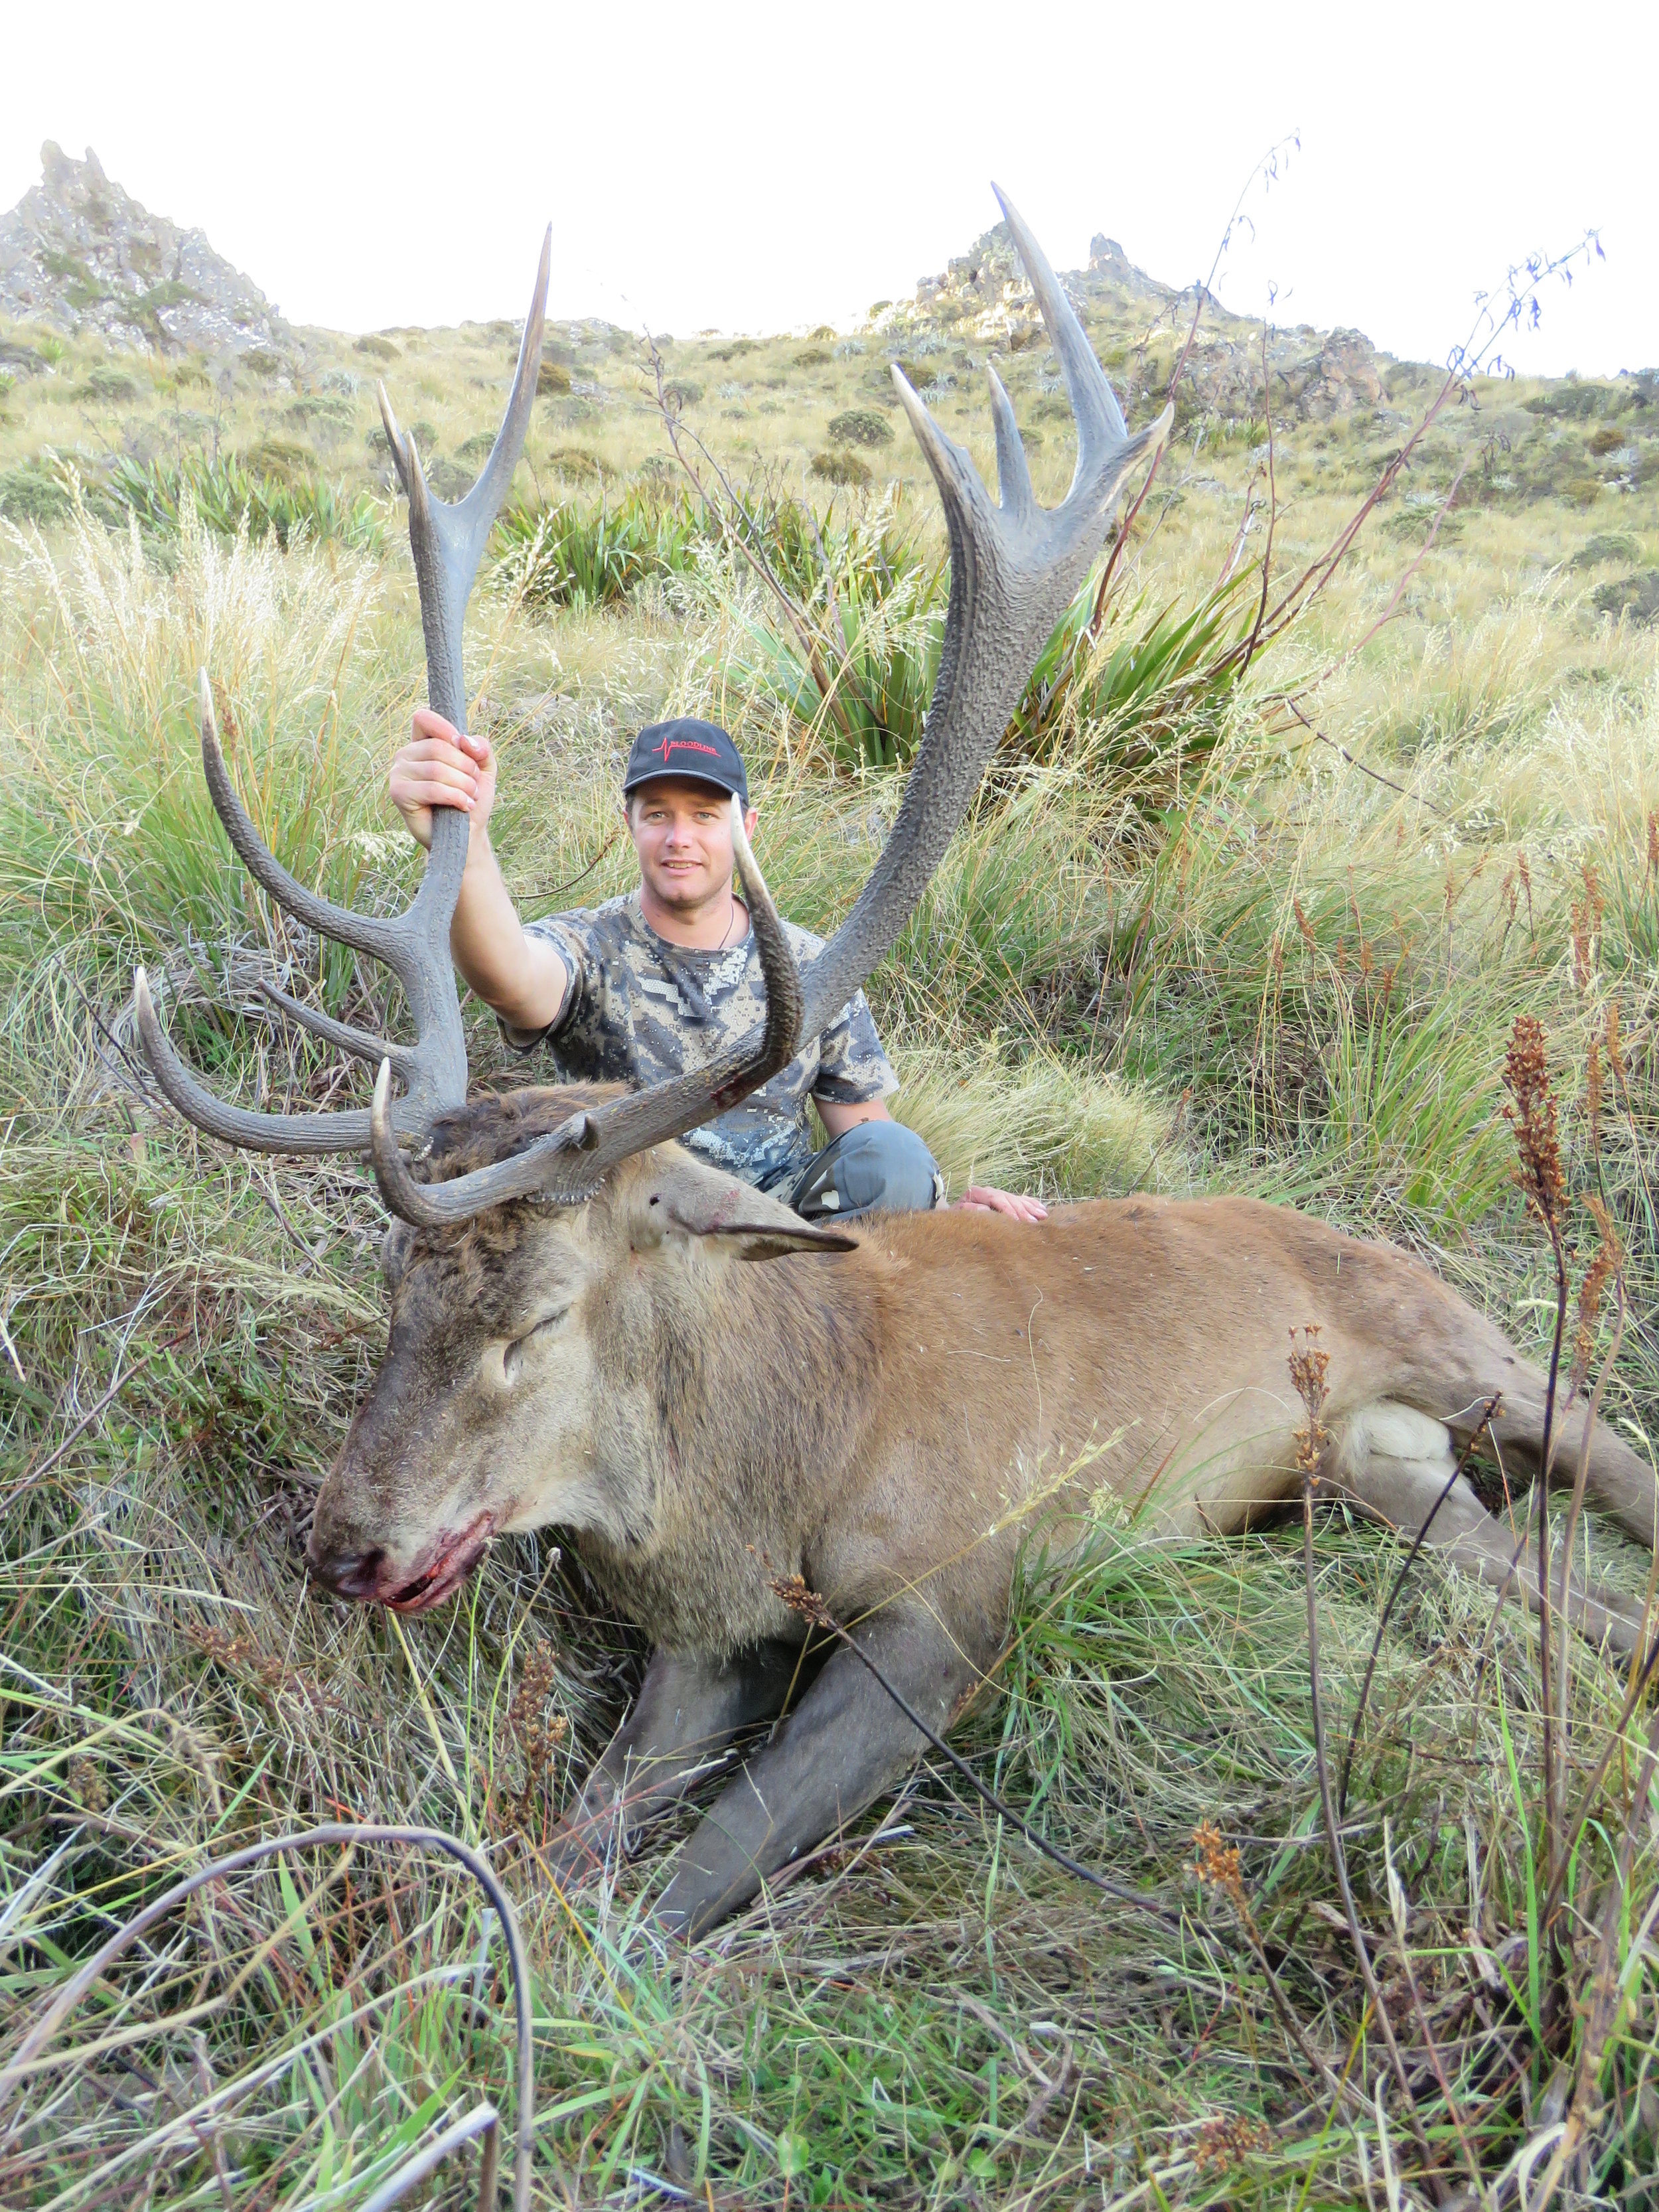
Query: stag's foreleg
[
  {"x": 845, "y": 1744},
  {"x": 686, "y": 1714},
  {"x": 1394, "y": 1465}
]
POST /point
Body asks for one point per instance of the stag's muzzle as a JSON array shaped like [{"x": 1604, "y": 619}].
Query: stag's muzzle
[{"x": 376, "y": 1577}]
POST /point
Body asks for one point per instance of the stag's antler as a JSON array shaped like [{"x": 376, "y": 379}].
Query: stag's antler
[
  {"x": 447, "y": 542},
  {"x": 1014, "y": 567}
]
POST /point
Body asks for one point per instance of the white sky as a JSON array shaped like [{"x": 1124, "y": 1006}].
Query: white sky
[{"x": 752, "y": 167}]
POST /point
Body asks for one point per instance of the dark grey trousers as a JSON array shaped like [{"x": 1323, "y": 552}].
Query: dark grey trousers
[{"x": 877, "y": 1167}]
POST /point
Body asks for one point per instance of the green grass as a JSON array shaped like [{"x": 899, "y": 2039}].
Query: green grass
[
  {"x": 1264, "y": 971},
  {"x": 229, "y": 497}
]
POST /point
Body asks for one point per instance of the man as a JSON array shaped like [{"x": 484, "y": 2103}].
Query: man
[{"x": 663, "y": 979}]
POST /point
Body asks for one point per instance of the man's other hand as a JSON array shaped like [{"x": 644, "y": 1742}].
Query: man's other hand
[
  {"x": 984, "y": 1197},
  {"x": 440, "y": 766}
]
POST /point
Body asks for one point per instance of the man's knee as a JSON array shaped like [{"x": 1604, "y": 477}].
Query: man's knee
[{"x": 875, "y": 1167}]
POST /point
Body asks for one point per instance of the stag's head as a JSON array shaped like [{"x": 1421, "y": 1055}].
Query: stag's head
[
  {"x": 523, "y": 1227},
  {"x": 528, "y": 1350}
]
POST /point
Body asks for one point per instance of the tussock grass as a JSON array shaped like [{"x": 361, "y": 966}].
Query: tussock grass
[{"x": 1291, "y": 979}]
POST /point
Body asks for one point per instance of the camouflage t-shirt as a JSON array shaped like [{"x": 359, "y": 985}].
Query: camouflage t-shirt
[{"x": 641, "y": 1010}]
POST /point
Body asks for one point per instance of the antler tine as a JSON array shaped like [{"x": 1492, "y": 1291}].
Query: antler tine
[
  {"x": 365, "y": 932},
  {"x": 447, "y": 544},
  {"x": 237, "y": 1125},
  {"x": 361, "y": 1044},
  {"x": 568, "y": 1163},
  {"x": 1013, "y": 477},
  {"x": 1100, "y": 424},
  {"x": 448, "y": 1205}
]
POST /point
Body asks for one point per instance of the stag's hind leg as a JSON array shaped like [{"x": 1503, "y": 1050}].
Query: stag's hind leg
[{"x": 1395, "y": 1465}]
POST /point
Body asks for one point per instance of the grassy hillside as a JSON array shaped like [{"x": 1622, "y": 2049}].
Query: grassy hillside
[{"x": 1183, "y": 944}]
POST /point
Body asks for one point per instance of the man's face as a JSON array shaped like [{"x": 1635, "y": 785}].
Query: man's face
[{"x": 682, "y": 832}]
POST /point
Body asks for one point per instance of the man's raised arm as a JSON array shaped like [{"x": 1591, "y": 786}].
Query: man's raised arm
[{"x": 522, "y": 978}]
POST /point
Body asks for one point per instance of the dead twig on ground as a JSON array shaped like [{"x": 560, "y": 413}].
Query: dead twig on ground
[{"x": 30, "y": 2057}]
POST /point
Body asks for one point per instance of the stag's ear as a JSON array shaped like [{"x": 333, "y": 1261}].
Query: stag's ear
[{"x": 698, "y": 1200}]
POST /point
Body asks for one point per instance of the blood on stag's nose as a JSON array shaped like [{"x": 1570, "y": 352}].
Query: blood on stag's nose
[{"x": 353, "y": 1574}]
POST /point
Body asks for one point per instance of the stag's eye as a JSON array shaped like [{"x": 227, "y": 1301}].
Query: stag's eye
[{"x": 513, "y": 1352}]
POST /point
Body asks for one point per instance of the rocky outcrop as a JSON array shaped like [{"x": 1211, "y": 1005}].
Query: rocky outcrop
[
  {"x": 79, "y": 254},
  {"x": 982, "y": 296}
]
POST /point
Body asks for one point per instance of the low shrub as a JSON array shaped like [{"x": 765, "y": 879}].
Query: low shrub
[
  {"x": 1634, "y": 597},
  {"x": 378, "y": 348},
  {"x": 108, "y": 384},
  {"x": 552, "y": 380},
  {"x": 331, "y": 410},
  {"x": 577, "y": 461},
  {"x": 1570, "y": 403},
  {"x": 861, "y": 426},
  {"x": 1606, "y": 545},
  {"x": 284, "y": 458},
  {"x": 32, "y": 493},
  {"x": 449, "y": 480},
  {"x": 841, "y": 469}
]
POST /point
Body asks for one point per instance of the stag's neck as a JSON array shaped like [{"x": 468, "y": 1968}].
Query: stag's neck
[{"x": 749, "y": 1392}]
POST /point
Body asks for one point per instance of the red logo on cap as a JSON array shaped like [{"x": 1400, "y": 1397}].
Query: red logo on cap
[{"x": 687, "y": 744}]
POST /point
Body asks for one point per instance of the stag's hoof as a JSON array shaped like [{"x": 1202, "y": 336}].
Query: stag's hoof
[{"x": 576, "y": 1853}]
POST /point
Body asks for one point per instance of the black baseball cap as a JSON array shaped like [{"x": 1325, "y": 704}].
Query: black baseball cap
[{"x": 700, "y": 751}]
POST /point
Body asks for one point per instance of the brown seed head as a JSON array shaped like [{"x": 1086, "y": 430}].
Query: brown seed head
[
  {"x": 1226, "y": 2138},
  {"x": 1603, "y": 1270},
  {"x": 792, "y": 1589},
  {"x": 1593, "y": 1094},
  {"x": 1616, "y": 1051},
  {"x": 1215, "y": 1860},
  {"x": 539, "y": 1733},
  {"x": 1531, "y": 1113},
  {"x": 1587, "y": 913},
  {"x": 87, "y": 1784},
  {"x": 1309, "y": 1367}
]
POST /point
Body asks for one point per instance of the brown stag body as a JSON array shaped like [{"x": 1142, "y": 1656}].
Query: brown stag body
[
  {"x": 712, "y": 1396},
  {"x": 592, "y": 1327}
]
